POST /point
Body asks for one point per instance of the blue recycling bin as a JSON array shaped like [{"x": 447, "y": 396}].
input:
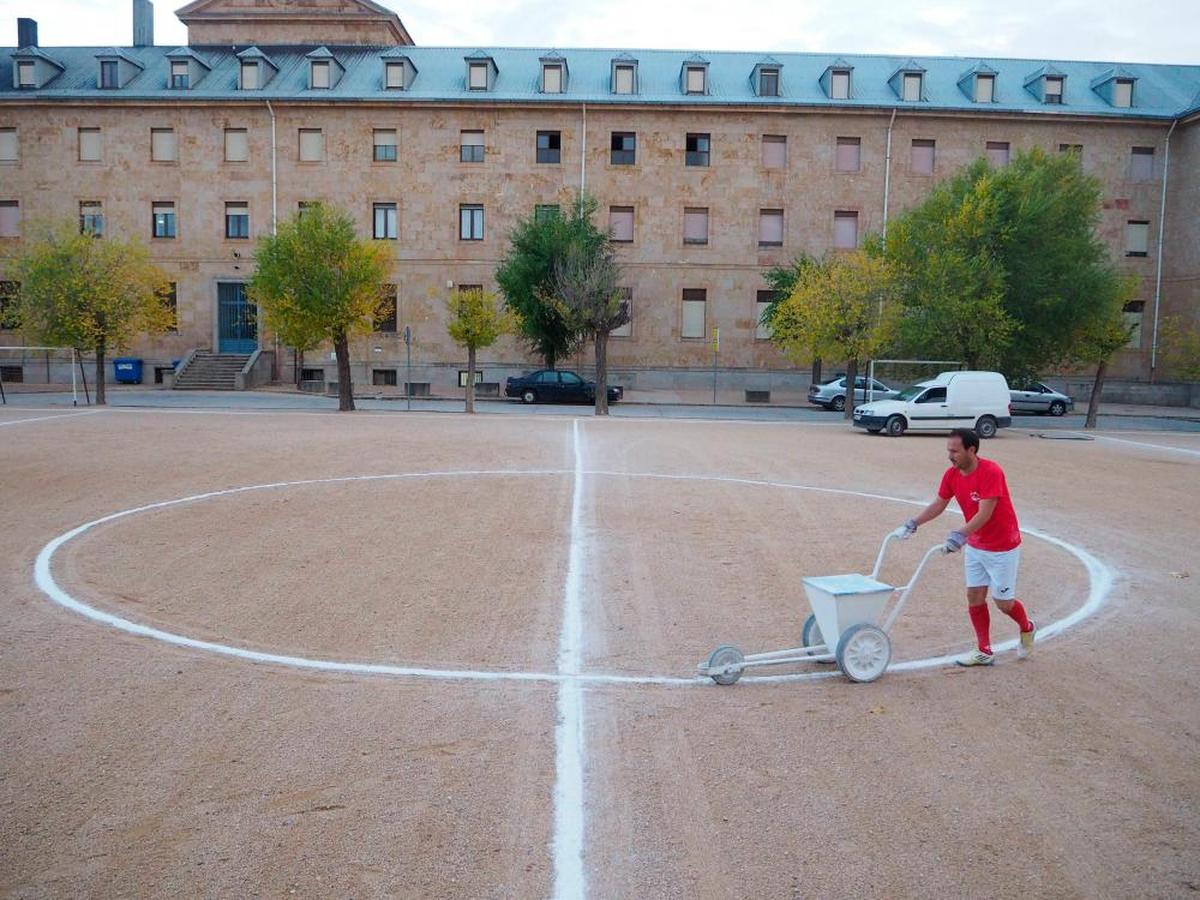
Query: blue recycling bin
[{"x": 127, "y": 370}]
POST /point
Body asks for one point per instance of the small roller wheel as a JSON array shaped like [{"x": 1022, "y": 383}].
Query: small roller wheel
[
  {"x": 722, "y": 658},
  {"x": 810, "y": 636},
  {"x": 864, "y": 652}
]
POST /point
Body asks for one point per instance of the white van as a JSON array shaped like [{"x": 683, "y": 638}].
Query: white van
[{"x": 978, "y": 400}]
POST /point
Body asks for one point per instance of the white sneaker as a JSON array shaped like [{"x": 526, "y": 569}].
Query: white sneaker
[
  {"x": 1025, "y": 647},
  {"x": 975, "y": 658}
]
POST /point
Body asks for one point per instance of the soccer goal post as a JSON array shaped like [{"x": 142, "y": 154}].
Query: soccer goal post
[
  {"x": 900, "y": 373},
  {"x": 40, "y": 369}
]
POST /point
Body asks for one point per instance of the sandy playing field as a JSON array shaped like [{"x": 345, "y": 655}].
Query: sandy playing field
[{"x": 477, "y": 641}]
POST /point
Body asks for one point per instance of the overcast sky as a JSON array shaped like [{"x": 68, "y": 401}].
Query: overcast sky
[{"x": 1164, "y": 31}]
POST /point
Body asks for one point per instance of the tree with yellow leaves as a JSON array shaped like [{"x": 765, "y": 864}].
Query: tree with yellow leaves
[{"x": 477, "y": 320}]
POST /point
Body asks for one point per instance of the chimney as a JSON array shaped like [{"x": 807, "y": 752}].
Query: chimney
[
  {"x": 26, "y": 33},
  {"x": 143, "y": 23}
]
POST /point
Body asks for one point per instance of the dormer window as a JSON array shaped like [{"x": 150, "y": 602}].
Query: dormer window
[
  {"x": 477, "y": 76},
  {"x": 768, "y": 82},
  {"x": 1053, "y": 87},
  {"x": 319, "y": 74},
  {"x": 695, "y": 80},
  {"x": 552, "y": 78},
  {"x": 912, "y": 87},
  {"x": 624, "y": 80},
  {"x": 839, "y": 84},
  {"x": 393, "y": 76},
  {"x": 1123, "y": 92},
  {"x": 250, "y": 80},
  {"x": 26, "y": 76},
  {"x": 398, "y": 71},
  {"x": 985, "y": 88},
  {"x": 109, "y": 74},
  {"x": 179, "y": 75},
  {"x": 185, "y": 69}
]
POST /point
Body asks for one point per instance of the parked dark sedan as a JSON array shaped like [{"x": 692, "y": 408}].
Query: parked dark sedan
[{"x": 557, "y": 386}]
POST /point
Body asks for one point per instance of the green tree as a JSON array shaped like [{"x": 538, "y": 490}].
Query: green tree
[
  {"x": 89, "y": 293},
  {"x": 1100, "y": 337},
  {"x": 781, "y": 280},
  {"x": 526, "y": 276},
  {"x": 587, "y": 285},
  {"x": 316, "y": 281},
  {"x": 834, "y": 312},
  {"x": 1181, "y": 347},
  {"x": 476, "y": 321}
]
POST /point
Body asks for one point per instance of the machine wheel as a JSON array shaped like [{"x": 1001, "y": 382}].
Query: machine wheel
[
  {"x": 810, "y": 636},
  {"x": 986, "y": 427},
  {"x": 864, "y": 652},
  {"x": 528, "y": 397},
  {"x": 1057, "y": 408},
  {"x": 838, "y": 404},
  {"x": 895, "y": 426},
  {"x": 725, "y": 656}
]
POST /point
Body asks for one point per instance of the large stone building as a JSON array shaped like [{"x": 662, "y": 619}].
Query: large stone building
[{"x": 709, "y": 168}]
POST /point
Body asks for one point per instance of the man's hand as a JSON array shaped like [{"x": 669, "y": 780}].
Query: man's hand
[
  {"x": 955, "y": 541},
  {"x": 910, "y": 528}
]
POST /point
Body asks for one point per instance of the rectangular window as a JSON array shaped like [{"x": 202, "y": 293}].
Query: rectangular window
[
  {"x": 384, "y": 143},
  {"x": 109, "y": 75},
  {"x": 845, "y": 230},
  {"x": 839, "y": 85},
  {"x": 695, "y": 225},
  {"x": 163, "y": 146},
  {"x": 249, "y": 76},
  {"x": 549, "y": 147},
  {"x": 770, "y": 228},
  {"x": 625, "y": 330},
  {"x": 695, "y": 79},
  {"x": 912, "y": 87},
  {"x": 985, "y": 88},
  {"x": 762, "y": 301},
  {"x": 624, "y": 148},
  {"x": 384, "y": 227},
  {"x": 180, "y": 77},
  {"x": 921, "y": 157},
  {"x": 312, "y": 145},
  {"x": 1137, "y": 236},
  {"x": 470, "y": 146},
  {"x": 849, "y": 154},
  {"x": 1141, "y": 164},
  {"x": 171, "y": 297},
  {"x": 1071, "y": 148},
  {"x": 383, "y": 378},
  {"x": 692, "y": 317},
  {"x": 237, "y": 221},
  {"x": 470, "y": 222},
  {"x": 477, "y": 76},
  {"x": 9, "y": 147},
  {"x": 10, "y": 218},
  {"x": 1123, "y": 92},
  {"x": 620, "y": 224},
  {"x": 997, "y": 153},
  {"x": 312, "y": 375},
  {"x": 237, "y": 145},
  {"x": 697, "y": 149},
  {"x": 25, "y": 74},
  {"x": 768, "y": 82},
  {"x": 1133, "y": 311},
  {"x": 623, "y": 80},
  {"x": 1053, "y": 91},
  {"x": 91, "y": 218},
  {"x": 544, "y": 212},
  {"x": 393, "y": 74},
  {"x": 162, "y": 219},
  {"x": 774, "y": 151},
  {"x": 385, "y": 323},
  {"x": 89, "y": 144},
  {"x": 320, "y": 74},
  {"x": 552, "y": 79}
]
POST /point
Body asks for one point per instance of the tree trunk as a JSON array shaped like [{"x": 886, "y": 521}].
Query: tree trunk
[
  {"x": 550, "y": 360},
  {"x": 100, "y": 398},
  {"x": 1094, "y": 400},
  {"x": 851, "y": 375},
  {"x": 298, "y": 357},
  {"x": 470, "y": 379},
  {"x": 601, "y": 373},
  {"x": 816, "y": 370},
  {"x": 345, "y": 388}
]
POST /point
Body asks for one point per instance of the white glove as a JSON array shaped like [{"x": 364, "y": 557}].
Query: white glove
[
  {"x": 909, "y": 528},
  {"x": 955, "y": 541}
]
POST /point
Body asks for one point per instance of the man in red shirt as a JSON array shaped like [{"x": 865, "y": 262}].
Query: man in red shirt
[{"x": 992, "y": 538}]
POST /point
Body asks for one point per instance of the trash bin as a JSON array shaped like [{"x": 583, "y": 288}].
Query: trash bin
[{"x": 127, "y": 370}]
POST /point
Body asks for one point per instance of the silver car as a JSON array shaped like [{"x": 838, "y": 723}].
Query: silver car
[
  {"x": 1035, "y": 397},
  {"x": 832, "y": 394}
]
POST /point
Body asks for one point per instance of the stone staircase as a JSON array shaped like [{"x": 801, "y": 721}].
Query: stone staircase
[{"x": 208, "y": 371}]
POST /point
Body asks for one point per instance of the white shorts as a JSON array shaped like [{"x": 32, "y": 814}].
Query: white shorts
[{"x": 996, "y": 569}]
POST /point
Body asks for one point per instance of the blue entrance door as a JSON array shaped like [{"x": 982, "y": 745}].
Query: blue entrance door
[{"x": 237, "y": 319}]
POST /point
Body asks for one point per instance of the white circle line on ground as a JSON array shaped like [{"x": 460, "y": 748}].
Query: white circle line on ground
[{"x": 1100, "y": 580}]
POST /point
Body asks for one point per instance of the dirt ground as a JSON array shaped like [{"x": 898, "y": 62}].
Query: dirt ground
[{"x": 131, "y": 767}]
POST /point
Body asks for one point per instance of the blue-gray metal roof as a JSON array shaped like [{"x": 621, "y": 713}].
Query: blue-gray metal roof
[{"x": 1161, "y": 91}]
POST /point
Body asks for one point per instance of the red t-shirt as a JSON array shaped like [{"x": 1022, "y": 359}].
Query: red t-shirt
[{"x": 985, "y": 483}]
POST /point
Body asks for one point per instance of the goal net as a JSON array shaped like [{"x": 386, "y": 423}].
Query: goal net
[
  {"x": 898, "y": 374},
  {"x": 26, "y": 369}
]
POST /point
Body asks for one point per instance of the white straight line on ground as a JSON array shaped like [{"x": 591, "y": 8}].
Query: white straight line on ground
[
  {"x": 90, "y": 412},
  {"x": 1152, "y": 446},
  {"x": 568, "y": 732}
]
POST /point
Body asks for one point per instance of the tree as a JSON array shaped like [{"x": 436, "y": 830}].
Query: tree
[
  {"x": 89, "y": 293},
  {"x": 782, "y": 280},
  {"x": 833, "y": 312},
  {"x": 476, "y": 321},
  {"x": 587, "y": 285},
  {"x": 1102, "y": 336},
  {"x": 526, "y": 276},
  {"x": 1181, "y": 347},
  {"x": 316, "y": 281}
]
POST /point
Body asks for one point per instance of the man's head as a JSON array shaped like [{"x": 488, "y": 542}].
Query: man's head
[{"x": 963, "y": 449}]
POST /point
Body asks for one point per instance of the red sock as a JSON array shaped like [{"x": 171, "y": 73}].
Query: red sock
[
  {"x": 1017, "y": 613},
  {"x": 981, "y": 620}
]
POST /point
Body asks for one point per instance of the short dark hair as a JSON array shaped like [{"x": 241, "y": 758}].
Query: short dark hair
[{"x": 970, "y": 440}]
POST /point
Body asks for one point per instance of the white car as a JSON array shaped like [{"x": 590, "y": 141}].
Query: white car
[{"x": 978, "y": 400}]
